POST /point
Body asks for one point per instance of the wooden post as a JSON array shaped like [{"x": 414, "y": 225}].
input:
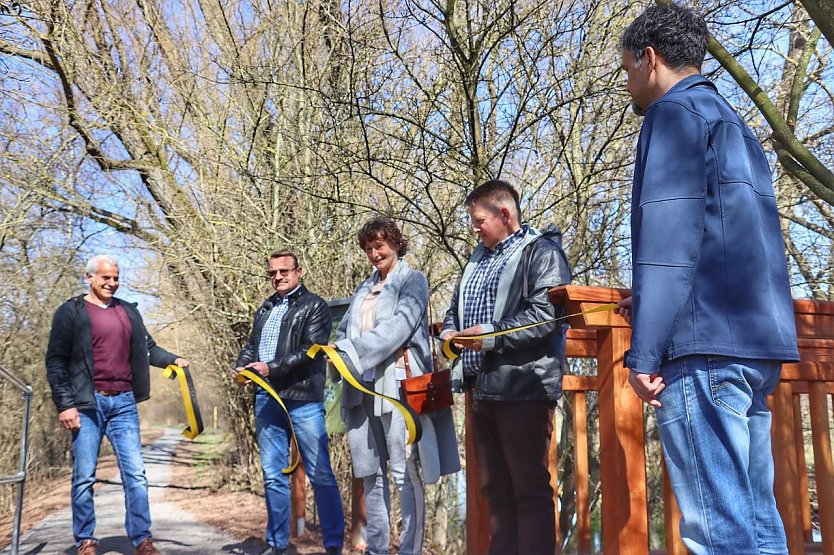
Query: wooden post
[
  {"x": 477, "y": 512},
  {"x": 553, "y": 468},
  {"x": 622, "y": 458},
  {"x": 298, "y": 501},
  {"x": 358, "y": 513}
]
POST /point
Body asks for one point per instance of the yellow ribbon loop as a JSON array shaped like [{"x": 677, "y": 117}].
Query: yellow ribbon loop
[
  {"x": 189, "y": 399},
  {"x": 242, "y": 376},
  {"x": 450, "y": 353},
  {"x": 412, "y": 423},
  {"x": 448, "y": 350}
]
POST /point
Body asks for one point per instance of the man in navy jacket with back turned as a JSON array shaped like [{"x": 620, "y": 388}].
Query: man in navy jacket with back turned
[{"x": 711, "y": 309}]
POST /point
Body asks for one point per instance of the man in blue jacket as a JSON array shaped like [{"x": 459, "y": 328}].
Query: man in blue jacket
[
  {"x": 97, "y": 366},
  {"x": 711, "y": 309}
]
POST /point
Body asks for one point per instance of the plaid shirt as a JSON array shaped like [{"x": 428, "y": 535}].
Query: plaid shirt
[
  {"x": 272, "y": 328},
  {"x": 480, "y": 291}
]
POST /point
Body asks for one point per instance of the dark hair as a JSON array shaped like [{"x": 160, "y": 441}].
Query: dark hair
[
  {"x": 678, "y": 35},
  {"x": 494, "y": 192},
  {"x": 383, "y": 227},
  {"x": 282, "y": 253}
]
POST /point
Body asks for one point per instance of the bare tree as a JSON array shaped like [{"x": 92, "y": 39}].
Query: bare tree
[{"x": 207, "y": 134}]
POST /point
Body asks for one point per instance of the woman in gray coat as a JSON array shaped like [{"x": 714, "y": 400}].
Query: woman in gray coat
[{"x": 386, "y": 317}]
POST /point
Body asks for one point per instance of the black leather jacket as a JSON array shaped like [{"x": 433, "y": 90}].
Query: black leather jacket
[
  {"x": 293, "y": 374},
  {"x": 525, "y": 365},
  {"x": 69, "y": 356}
]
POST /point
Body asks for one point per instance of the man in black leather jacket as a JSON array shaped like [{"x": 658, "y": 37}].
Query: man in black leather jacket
[
  {"x": 516, "y": 378},
  {"x": 97, "y": 367},
  {"x": 285, "y": 327}
]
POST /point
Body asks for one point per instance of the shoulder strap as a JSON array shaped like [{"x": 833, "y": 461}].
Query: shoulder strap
[{"x": 407, "y": 366}]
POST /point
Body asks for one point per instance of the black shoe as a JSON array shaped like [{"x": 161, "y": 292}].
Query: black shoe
[
  {"x": 333, "y": 550},
  {"x": 274, "y": 550}
]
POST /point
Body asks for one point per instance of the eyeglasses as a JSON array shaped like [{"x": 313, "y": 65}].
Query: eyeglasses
[{"x": 283, "y": 272}]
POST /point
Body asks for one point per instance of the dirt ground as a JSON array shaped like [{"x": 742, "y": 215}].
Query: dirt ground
[
  {"x": 43, "y": 498},
  {"x": 194, "y": 488},
  {"x": 240, "y": 514}
]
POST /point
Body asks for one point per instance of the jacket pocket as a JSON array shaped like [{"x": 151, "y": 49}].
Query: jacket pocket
[{"x": 82, "y": 386}]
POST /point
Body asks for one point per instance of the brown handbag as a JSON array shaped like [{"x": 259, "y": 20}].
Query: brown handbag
[{"x": 428, "y": 392}]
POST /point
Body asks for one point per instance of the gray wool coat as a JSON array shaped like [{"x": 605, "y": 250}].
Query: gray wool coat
[{"x": 400, "y": 320}]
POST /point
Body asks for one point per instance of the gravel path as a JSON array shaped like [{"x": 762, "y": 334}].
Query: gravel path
[{"x": 175, "y": 531}]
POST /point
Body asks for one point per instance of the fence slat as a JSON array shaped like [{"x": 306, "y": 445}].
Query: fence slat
[
  {"x": 786, "y": 484},
  {"x": 581, "y": 473},
  {"x": 804, "y": 493},
  {"x": 823, "y": 465}
]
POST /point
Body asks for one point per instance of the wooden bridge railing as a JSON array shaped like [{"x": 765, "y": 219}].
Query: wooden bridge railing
[
  {"x": 803, "y": 394},
  {"x": 622, "y": 440}
]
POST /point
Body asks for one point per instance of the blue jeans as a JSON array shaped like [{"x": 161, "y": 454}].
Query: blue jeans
[
  {"x": 116, "y": 417},
  {"x": 715, "y": 431},
  {"x": 272, "y": 429},
  {"x": 389, "y": 435}
]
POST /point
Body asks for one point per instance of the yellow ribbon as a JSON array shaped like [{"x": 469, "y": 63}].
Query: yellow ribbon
[
  {"x": 189, "y": 399},
  {"x": 449, "y": 353},
  {"x": 412, "y": 424},
  {"x": 245, "y": 374}
]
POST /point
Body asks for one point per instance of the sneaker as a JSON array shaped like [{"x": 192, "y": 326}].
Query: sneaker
[
  {"x": 87, "y": 547},
  {"x": 146, "y": 548},
  {"x": 274, "y": 551},
  {"x": 333, "y": 550}
]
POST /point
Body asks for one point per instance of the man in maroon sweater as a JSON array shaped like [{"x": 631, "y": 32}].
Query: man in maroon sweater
[{"x": 97, "y": 364}]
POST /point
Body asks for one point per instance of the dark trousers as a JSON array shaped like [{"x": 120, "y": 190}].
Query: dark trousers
[{"x": 512, "y": 441}]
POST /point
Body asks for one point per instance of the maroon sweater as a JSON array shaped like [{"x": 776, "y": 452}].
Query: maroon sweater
[{"x": 111, "y": 347}]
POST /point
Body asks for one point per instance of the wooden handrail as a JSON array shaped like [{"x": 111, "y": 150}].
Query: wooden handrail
[{"x": 605, "y": 336}]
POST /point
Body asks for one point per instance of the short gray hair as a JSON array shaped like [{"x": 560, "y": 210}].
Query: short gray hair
[{"x": 93, "y": 263}]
